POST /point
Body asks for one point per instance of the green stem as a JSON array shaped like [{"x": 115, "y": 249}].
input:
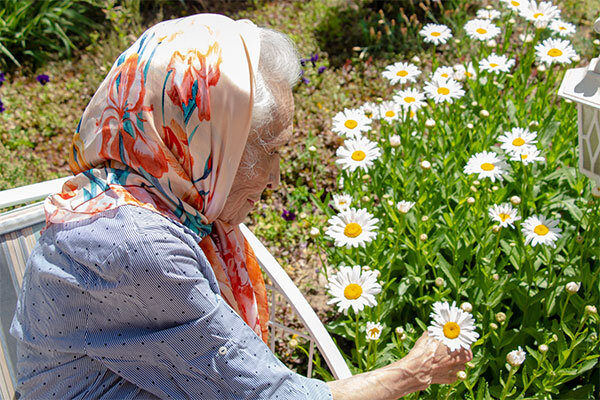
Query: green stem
[
  {"x": 358, "y": 356},
  {"x": 508, "y": 385}
]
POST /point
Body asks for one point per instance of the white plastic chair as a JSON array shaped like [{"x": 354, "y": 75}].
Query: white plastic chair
[{"x": 19, "y": 231}]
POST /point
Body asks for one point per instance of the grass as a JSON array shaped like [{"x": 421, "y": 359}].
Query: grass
[{"x": 37, "y": 126}]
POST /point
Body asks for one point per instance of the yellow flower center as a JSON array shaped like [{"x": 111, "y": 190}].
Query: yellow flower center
[
  {"x": 412, "y": 114},
  {"x": 436, "y": 34},
  {"x": 562, "y": 28},
  {"x": 451, "y": 330},
  {"x": 409, "y": 99},
  {"x": 504, "y": 216},
  {"x": 444, "y": 75},
  {"x": 523, "y": 156},
  {"x": 518, "y": 142},
  {"x": 537, "y": 15},
  {"x": 390, "y": 113},
  {"x": 443, "y": 91},
  {"x": 374, "y": 331},
  {"x": 468, "y": 74},
  {"x": 541, "y": 230},
  {"x": 352, "y": 230},
  {"x": 351, "y": 124},
  {"x": 493, "y": 65},
  {"x": 358, "y": 155},
  {"x": 486, "y": 166},
  {"x": 515, "y": 3},
  {"x": 402, "y": 73},
  {"x": 369, "y": 114},
  {"x": 352, "y": 291},
  {"x": 481, "y": 31},
  {"x": 554, "y": 52}
]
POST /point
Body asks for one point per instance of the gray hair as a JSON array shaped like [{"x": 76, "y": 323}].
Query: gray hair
[{"x": 278, "y": 62}]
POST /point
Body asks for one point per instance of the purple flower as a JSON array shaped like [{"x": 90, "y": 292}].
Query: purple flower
[
  {"x": 288, "y": 215},
  {"x": 2, "y": 78},
  {"x": 314, "y": 58},
  {"x": 2, "y": 107},
  {"x": 303, "y": 61},
  {"x": 43, "y": 79},
  {"x": 306, "y": 81},
  {"x": 321, "y": 69}
]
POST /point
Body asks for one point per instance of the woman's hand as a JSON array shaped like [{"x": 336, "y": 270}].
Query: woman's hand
[{"x": 428, "y": 362}]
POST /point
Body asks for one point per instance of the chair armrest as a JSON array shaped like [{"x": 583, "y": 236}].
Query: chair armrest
[{"x": 25, "y": 194}]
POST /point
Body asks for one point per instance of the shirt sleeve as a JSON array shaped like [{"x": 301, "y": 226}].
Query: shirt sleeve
[{"x": 156, "y": 318}]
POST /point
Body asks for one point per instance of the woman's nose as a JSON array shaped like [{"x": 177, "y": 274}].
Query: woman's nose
[{"x": 273, "y": 182}]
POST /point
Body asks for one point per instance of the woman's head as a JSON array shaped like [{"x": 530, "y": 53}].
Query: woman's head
[{"x": 272, "y": 115}]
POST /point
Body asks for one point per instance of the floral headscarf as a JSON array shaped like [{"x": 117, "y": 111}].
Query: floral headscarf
[{"x": 166, "y": 131}]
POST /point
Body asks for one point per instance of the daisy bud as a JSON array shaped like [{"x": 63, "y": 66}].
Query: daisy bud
[
  {"x": 415, "y": 59},
  {"x": 471, "y": 201},
  {"x": 515, "y": 200},
  {"x": 293, "y": 343},
  {"x": 576, "y": 58},
  {"x": 543, "y": 348},
  {"x": 366, "y": 177},
  {"x": 390, "y": 230},
  {"x": 386, "y": 196},
  {"x": 440, "y": 282},
  {"x": 423, "y": 237},
  {"x": 495, "y": 188},
  {"x": 496, "y": 228},
  {"x": 534, "y": 124},
  {"x": 314, "y": 231},
  {"x": 424, "y": 218},
  {"x": 474, "y": 103},
  {"x": 399, "y": 330},
  {"x": 596, "y": 42},
  {"x": 466, "y": 307},
  {"x": 473, "y": 188},
  {"x": 430, "y": 123},
  {"x": 555, "y": 337},
  {"x": 462, "y": 107},
  {"x": 512, "y": 21},
  {"x": 484, "y": 113},
  {"x": 596, "y": 192},
  {"x": 461, "y": 375},
  {"x": 312, "y": 149},
  {"x": 470, "y": 125},
  {"x": 593, "y": 337},
  {"x": 493, "y": 326},
  {"x": 365, "y": 199},
  {"x": 541, "y": 68},
  {"x": 500, "y": 317},
  {"x": 572, "y": 287},
  {"x": 491, "y": 43},
  {"x": 496, "y": 277},
  {"x": 591, "y": 309},
  {"x": 457, "y": 41},
  {"x": 470, "y": 364},
  {"x": 394, "y": 140},
  {"x": 579, "y": 239},
  {"x": 425, "y": 164},
  {"x": 366, "y": 268},
  {"x": 402, "y": 337},
  {"x": 516, "y": 357},
  {"x": 356, "y": 48},
  {"x": 390, "y": 202}
]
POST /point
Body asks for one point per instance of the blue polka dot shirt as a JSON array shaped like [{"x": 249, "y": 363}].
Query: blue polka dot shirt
[{"x": 125, "y": 305}]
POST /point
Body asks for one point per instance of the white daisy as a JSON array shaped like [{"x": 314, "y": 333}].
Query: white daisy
[
  {"x": 441, "y": 90},
  {"x": 488, "y": 14},
  {"x": 487, "y": 165},
  {"x": 516, "y": 140},
  {"x": 353, "y": 287},
  {"x": 405, "y": 206},
  {"x": 351, "y": 123},
  {"x": 352, "y": 228},
  {"x": 410, "y": 99},
  {"x": 342, "y": 202},
  {"x": 373, "y": 330},
  {"x": 540, "y": 14},
  {"x": 443, "y": 72},
  {"x": 516, "y": 357},
  {"x": 515, "y": 5},
  {"x": 562, "y": 28},
  {"x": 553, "y": 51},
  {"x": 541, "y": 230},
  {"x": 504, "y": 214},
  {"x": 481, "y": 29},
  {"x": 527, "y": 155},
  {"x": 436, "y": 34},
  {"x": 452, "y": 326},
  {"x": 496, "y": 64},
  {"x": 389, "y": 111},
  {"x": 357, "y": 153},
  {"x": 401, "y": 72},
  {"x": 462, "y": 72},
  {"x": 369, "y": 110}
]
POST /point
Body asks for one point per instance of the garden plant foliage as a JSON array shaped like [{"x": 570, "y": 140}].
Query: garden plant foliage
[{"x": 430, "y": 175}]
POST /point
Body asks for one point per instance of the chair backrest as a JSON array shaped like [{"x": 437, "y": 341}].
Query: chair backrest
[{"x": 20, "y": 229}]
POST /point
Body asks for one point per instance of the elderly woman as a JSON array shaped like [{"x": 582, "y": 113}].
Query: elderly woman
[{"x": 142, "y": 285}]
